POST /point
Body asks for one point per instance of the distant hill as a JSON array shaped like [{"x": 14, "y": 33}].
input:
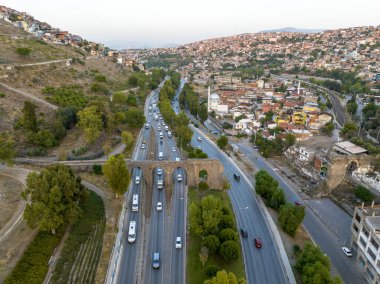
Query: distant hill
[
  {"x": 123, "y": 44},
  {"x": 293, "y": 30}
]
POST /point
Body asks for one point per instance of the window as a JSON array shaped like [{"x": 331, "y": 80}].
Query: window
[
  {"x": 355, "y": 228},
  {"x": 369, "y": 273},
  {"x": 371, "y": 254},
  {"x": 365, "y": 232},
  {"x": 357, "y": 217},
  {"x": 374, "y": 243},
  {"x": 362, "y": 241}
]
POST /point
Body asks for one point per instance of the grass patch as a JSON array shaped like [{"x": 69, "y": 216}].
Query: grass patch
[
  {"x": 34, "y": 263},
  {"x": 195, "y": 269},
  {"x": 83, "y": 246}
]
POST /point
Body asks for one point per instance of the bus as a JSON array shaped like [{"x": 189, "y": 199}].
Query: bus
[
  {"x": 132, "y": 232},
  {"x": 135, "y": 202}
]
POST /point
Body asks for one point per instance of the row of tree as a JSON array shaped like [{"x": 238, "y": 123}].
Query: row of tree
[
  {"x": 189, "y": 99},
  {"x": 290, "y": 215},
  {"x": 214, "y": 224},
  {"x": 275, "y": 147}
]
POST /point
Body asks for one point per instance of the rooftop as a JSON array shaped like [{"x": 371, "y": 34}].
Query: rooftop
[{"x": 348, "y": 148}]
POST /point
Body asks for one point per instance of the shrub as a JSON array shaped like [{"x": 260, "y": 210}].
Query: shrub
[
  {"x": 227, "y": 234},
  {"x": 97, "y": 169},
  {"x": 296, "y": 249},
  {"x": 212, "y": 243},
  {"x": 211, "y": 270},
  {"x": 23, "y": 51},
  {"x": 291, "y": 217},
  {"x": 2, "y": 95},
  {"x": 226, "y": 222},
  {"x": 100, "y": 78},
  {"x": 203, "y": 186},
  {"x": 363, "y": 193},
  {"x": 229, "y": 250}
]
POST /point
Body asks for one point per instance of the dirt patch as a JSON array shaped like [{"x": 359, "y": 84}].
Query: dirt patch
[
  {"x": 10, "y": 197},
  {"x": 13, "y": 246},
  {"x": 113, "y": 207}
]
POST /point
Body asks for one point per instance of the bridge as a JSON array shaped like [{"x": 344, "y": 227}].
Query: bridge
[{"x": 193, "y": 167}]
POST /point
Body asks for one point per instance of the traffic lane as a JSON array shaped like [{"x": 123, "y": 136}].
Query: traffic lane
[
  {"x": 326, "y": 240},
  {"x": 334, "y": 217},
  {"x": 241, "y": 194},
  {"x": 330, "y": 245}
]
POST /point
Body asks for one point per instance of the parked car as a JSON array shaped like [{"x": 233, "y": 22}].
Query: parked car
[
  {"x": 258, "y": 242},
  {"x": 346, "y": 251},
  {"x": 244, "y": 232},
  {"x": 237, "y": 177}
]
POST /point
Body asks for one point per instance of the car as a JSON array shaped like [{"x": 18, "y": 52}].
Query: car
[
  {"x": 255, "y": 147},
  {"x": 159, "y": 206},
  {"x": 346, "y": 251},
  {"x": 178, "y": 243},
  {"x": 142, "y": 146},
  {"x": 156, "y": 260},
  {"x": 179, "y": 177},
  {"x": 298, "y": 203},
  {"x": 199, "y": 148},
  {"x": 258, "y": 242},
  {"x": 159, "y": 171},
  {"x": 177, "y": 159},
  {"x": 150, "y": 114},
  {"x": 237, "y": 177},
  {"x": 159, "y": 128},
  {"x": 137, "y": 180},
  {"x": 144, "y": 141},
  {"x": 244, "y": 232},
  {"x": 199, "y": 138},
  {"x": 173, "y": 149}
]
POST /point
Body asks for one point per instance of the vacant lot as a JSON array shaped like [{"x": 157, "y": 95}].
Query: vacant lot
[{"x": 10, "y": 196}]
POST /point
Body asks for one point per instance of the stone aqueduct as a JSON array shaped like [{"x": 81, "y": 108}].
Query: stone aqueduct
[{"x": 215, "y": 169}]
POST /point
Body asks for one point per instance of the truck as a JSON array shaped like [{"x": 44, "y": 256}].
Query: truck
[
  {"x": 160, "y": 184},
  {"x": 160, "y": 156}
]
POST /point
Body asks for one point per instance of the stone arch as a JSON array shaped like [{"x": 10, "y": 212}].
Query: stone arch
[
  {"x": 203, "y": 175},
  {"x": 351, "y": 166},
  {"x": 174, "y": 174}
]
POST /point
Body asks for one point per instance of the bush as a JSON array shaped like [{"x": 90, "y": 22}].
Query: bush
[
  {"x": 222, "y": 142},
  {"x": 363, "y": 193},
  {"x": 97, "y": 169},
  {"x": 2, "y": 95},
  {"x": 203, "y": 185},
  {"x": 66, "y": 96},
  {"x": 226, "y": 222},
  {"x": 211, "y": 270},
  {"x": 212, "y": 243},
  {"x": 291, "y": 217},
  {"x": 23, "y": 51},
  {"x": 229, "y": 250},
  {"x": 34, "y": 263},
  {"x": 296, "y": 249},
  {"x": 227, "y": 235}
]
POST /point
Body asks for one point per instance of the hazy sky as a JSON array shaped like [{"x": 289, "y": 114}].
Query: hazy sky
[{"x": 178, "y": 21}]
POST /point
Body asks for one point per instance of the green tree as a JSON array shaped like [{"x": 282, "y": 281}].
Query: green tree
[
  {"x": 117, "y": 174},
  {"x": 127, "y": 138},
  {"x": 227, "y": 234},
  {"x": 203, "y": 185},
  {"x": 309, "y": 255},
  {"x": 222, "y": 277},
  {"x": 352, "y": 107},
  {"x": 328, "y": 128},
  {"x": 265, "y": 184},
  {"x": 277, "y": 199},
  {"x": 91, "y": 121},
  {"x": 134, "y": 118},
  {"x": 315, "y": 273},
  {"x": 211, "y": 270},
  {"x": 43, "y": 138},
  {"x": 211, "y": 213},
  {"x": 202, "y": 112},
  {"x": 29, "y": 118},
  {"x": 107, "y": 149},
  {"x": 212, "y": 243},
  {"x": 291, "y": 217},
  {"x": 54, "y": 197},
  {"x": 226, "y": 221},
  {"x": 363, "y": 193},
  {"x": 133, "y": 80},
  {"x": 349, "y": 130},
  {"x": 195, "y": 219},
  {"x": 229, "y": 250},
  {"x": 7, "y": 151},
  {"x": 222, "y": 142},
  {"x": 23, "y": 51},
  {"x": 290, "y": 140}
]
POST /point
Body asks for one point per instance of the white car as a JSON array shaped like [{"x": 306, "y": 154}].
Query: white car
[
  {"x": 199, "y": 138},
  {"x": 346, "y": 251},
  {"x": 159, "y": 206},
  {"x": 178, "y": 243},
  {"x": 159, "y": 128},
  {"x": 177, "y": 159},
  {"x": 179, "y": 177},
  {"x": 159, "y": 171},
  {"x": 199, "y": 147},
  {"x": 142, "y": 146},
  {"x": 174, "y": 149}
]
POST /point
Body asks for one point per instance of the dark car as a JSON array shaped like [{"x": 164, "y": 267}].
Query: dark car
[
  {"x": 237, "y": 177},
  {"x": 298, "y": 203},
  {"x": 244, "y": 232},
  {"x": 258, "y": 242}
]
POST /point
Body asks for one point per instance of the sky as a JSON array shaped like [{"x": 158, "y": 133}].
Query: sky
[{"x": 162, "y": 22}]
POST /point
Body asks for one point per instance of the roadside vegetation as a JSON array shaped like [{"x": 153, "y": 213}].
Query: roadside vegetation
[
  {"x": 212, "y": 239},
  {"x": 276, "y": 147},
  {"x": 189, "y": 99},
  {"x": 80, "y": 255}
]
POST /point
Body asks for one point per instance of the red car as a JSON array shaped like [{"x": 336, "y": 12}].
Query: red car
[{"x": 258, "y": 242}]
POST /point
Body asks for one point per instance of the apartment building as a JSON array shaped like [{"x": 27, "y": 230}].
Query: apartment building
[{"x": 365, "y": 241}]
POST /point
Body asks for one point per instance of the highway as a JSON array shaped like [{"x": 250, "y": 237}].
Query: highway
[{"x": 261, "y": 265}]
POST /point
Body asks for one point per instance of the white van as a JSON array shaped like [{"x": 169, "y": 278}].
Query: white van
[
  {"x": 135, "y": 202},
  {"x": 137, "y": 179},
  {"x": 132, "y": 232}
]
